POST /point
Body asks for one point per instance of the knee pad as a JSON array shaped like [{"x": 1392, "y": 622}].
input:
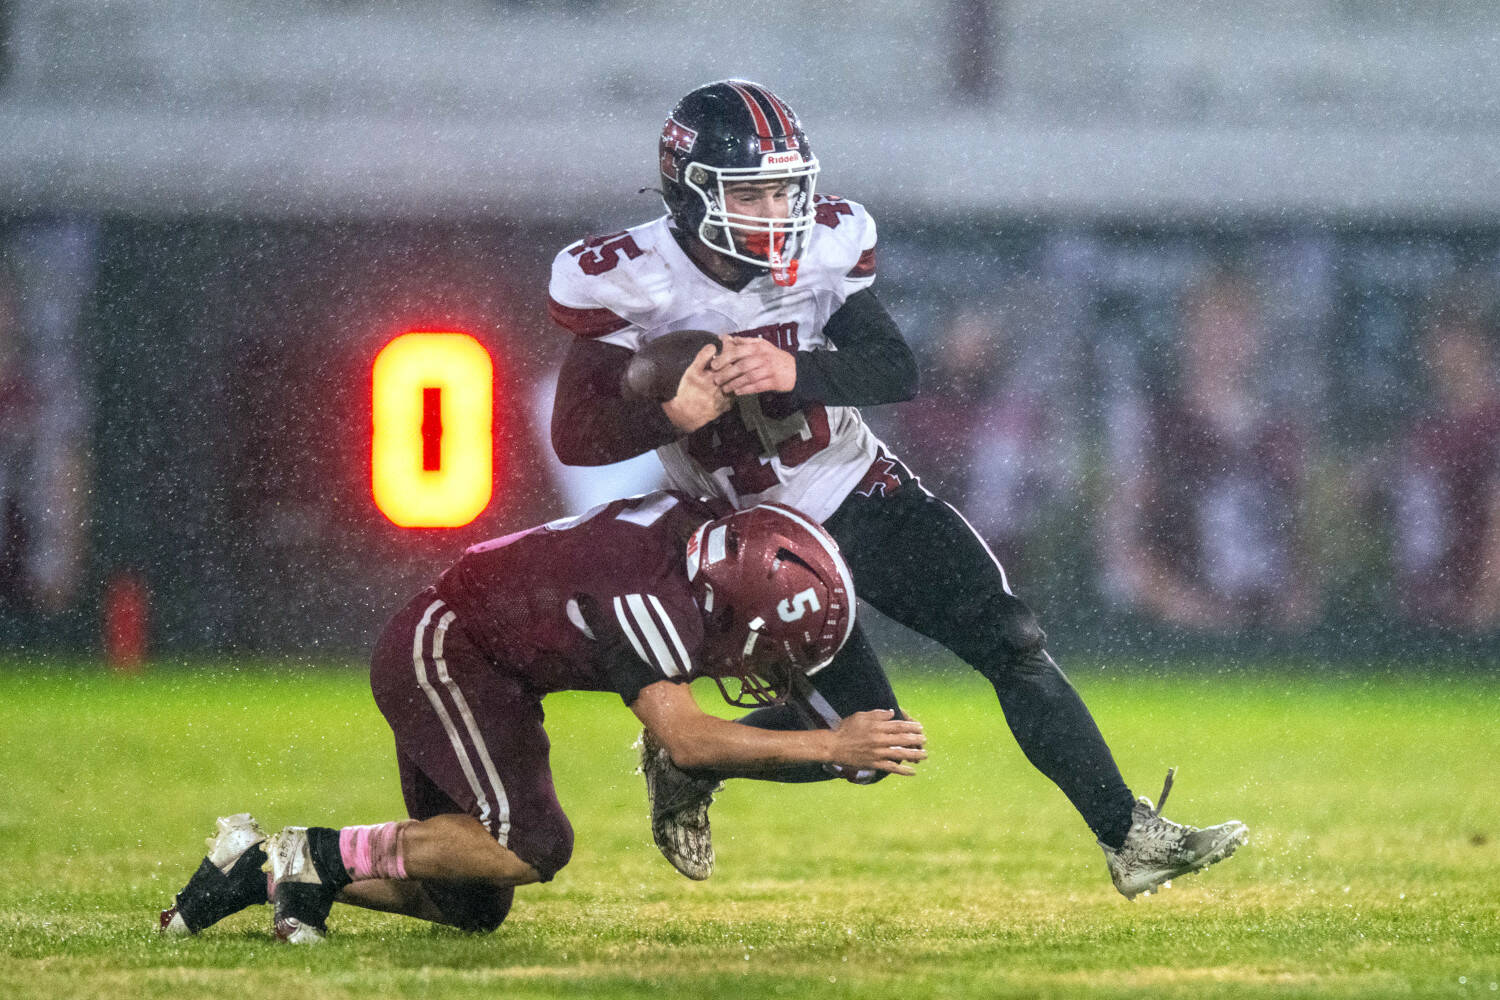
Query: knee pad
[
  {"x": 1008, "y": 638},
  {"x": 1020, "y": 630},
  {"x": 471, "y": 906}
]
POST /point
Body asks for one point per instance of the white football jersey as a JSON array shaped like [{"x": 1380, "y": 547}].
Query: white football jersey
[{"x": 630, "y": 287}]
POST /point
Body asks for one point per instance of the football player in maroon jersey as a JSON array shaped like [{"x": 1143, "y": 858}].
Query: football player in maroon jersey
[
  {"x": 637, "y": 597},
  {"x": 748, "y": 250}
]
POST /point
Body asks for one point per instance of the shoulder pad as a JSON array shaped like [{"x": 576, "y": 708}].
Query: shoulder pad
[{"x": 844, "y": 238}]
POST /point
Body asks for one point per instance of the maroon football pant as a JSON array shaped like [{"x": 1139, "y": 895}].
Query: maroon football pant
[{"x": 469, "y": 736}]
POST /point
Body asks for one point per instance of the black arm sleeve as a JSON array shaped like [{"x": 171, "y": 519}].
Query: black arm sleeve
[
  {"x": 592, "y": 423},
  {"x": 873, "y": 363}
]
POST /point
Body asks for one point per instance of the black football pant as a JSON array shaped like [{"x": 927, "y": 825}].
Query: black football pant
[{"x": 918, "y": 561}]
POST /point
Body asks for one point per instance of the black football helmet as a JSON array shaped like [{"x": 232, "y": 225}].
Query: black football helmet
[
  {"x": 731, "y": 131},
  {"x": 777, "y": 600}
]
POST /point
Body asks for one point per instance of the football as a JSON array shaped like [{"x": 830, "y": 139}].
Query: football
[{"x": 657, "y": 368}]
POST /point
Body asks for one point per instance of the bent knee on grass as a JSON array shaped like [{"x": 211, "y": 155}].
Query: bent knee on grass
[{"x": 459, "y": 847}]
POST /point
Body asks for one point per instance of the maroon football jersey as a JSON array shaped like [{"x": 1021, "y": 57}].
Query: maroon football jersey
[{"x": 597, "y": 602}]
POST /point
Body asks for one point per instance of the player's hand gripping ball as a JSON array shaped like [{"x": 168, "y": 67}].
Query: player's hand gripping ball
[{"x": 657, "y": 368}]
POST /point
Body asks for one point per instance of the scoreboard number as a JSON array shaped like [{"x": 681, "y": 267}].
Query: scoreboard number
[{"x": 432, "y": 446}]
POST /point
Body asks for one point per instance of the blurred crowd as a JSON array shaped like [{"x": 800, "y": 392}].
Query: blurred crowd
[
  {"x": 1257, "y": 437},
  {"x": 45, "y": 274}
]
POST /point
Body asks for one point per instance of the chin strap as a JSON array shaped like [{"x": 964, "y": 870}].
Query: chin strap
[{"x": 783, "y": 272}]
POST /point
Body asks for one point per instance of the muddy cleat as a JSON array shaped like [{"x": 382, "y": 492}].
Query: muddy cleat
[
  {"x": 228, "y": 880},
  {"x": 679, "y": 810},
  {"x": 302, "y": 887},
  {"x": 1156, "y": 850}
]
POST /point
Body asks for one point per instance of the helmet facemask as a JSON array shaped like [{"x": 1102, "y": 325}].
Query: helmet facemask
[
  {"x": 760, "y": 680},
  {"x": 772, "y": 243}
]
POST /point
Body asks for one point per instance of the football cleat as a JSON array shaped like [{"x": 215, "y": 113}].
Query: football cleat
[
  {"x": 1156, "y": 850},
  {"x": 679, "y": 810},
  {"x": 301, "y": 898},
  {"x": 227, "y": 881}
]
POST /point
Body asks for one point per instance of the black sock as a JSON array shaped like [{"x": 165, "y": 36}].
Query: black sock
[
  {"x": 212, "y": 895},
  {"x": 310, "y": 902},
  {"x": 323, "y": 845}
]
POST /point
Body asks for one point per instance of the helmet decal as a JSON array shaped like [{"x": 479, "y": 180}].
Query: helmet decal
[
  {"x": 789, "y": 158},
  {"x": 845, "y": 587},
  {"x": 676, "y": 138},
  {"x": 718, "y": 545}
]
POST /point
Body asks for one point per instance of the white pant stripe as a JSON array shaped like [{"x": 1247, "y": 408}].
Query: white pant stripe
[
  {"x": 502, "y": 801},
  {"x": 419, "y": 663},
  {"x": 1004, "y": 580}
]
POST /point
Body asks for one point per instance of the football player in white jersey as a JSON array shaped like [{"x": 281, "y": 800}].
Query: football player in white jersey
[{"x": 749, "y": 251}]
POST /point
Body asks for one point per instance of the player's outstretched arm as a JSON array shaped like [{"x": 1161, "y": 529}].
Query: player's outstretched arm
[{"x": 866, "y": 740}]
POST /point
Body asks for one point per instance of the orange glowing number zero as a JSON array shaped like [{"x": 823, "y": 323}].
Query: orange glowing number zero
[{"x": 432, "y": 450}]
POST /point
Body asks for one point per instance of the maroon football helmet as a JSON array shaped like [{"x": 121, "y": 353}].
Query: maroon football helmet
[{"x": 777, "y": 600}]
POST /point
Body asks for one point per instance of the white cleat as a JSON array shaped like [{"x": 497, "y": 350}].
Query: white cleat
[
  {"x": 1157, "y": 850},
  {"x": 233, "y": 836},
  {"x": 228, "y": 880},
  {"x": 288, "y": 858},
  {"x": 679, "y": 810},
  {"x": 299, "y": 897},
  {"x": 290, "y": 930}
]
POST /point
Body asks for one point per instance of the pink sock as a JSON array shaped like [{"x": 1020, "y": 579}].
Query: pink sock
[{"x": 373, "y": 851}]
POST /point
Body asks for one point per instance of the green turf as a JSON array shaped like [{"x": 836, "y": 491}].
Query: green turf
[{"x": 1373, "y": 869}]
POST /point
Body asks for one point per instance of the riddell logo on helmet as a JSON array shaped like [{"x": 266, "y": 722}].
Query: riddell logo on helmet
[{"x": 791, "y": 158}]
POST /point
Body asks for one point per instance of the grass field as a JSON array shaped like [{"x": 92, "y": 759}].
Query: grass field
[{"x": 1373, "y": 867}]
